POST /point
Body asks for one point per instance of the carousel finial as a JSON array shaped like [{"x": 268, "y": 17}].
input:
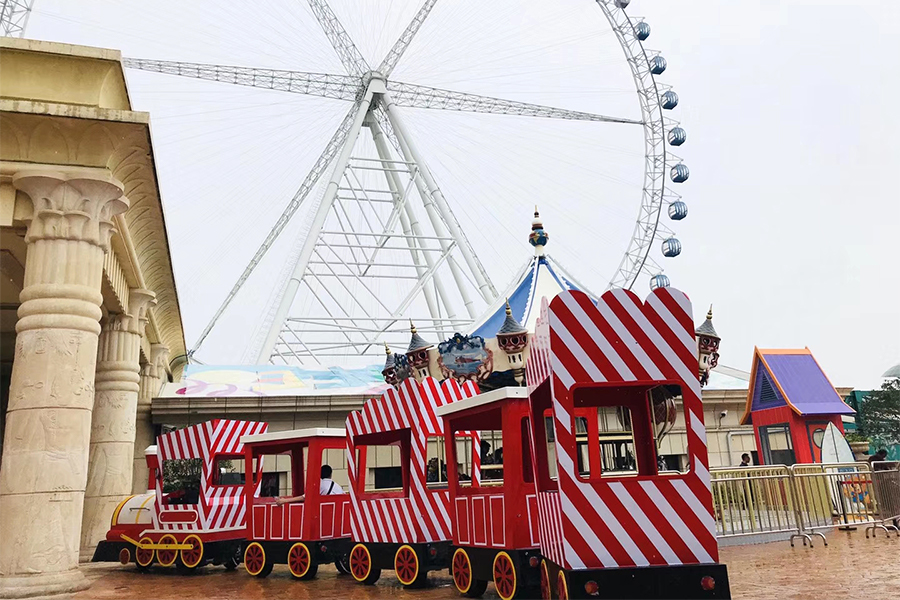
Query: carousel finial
[
  {"x": 538, "y": 237},
  {"x": 709, "y": 314},
  {"x": 508, "y": 309},
  {"x": 412, "y": 327},
  {"x": 387, "y": 349}
]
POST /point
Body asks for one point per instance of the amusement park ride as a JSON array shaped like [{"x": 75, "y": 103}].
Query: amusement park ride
[{"x": 560, "y": 516}]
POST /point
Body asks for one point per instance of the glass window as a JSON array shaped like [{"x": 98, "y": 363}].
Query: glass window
[
  {"x": 181, "y": 480},
  {"x": 228, "y": 470}
]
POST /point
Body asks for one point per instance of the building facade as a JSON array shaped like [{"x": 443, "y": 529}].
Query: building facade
[{"x": 90, "y": 326}]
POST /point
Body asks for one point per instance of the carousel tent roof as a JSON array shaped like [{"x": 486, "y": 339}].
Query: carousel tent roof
[{"x": 541, "y": 277}]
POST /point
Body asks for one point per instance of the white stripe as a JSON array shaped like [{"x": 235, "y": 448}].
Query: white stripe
[
  {"x": 598, "y": 338},
  {"x": 697, "y": 427},
  {"x": 631, "y": 344},
  {"x": 655, "y": 338},
  {"x": 572, "y": 557},
  {"x": 674, "y": 519},
  {"x": 388, "y": 523},
  {"x": 702, "y": 473},
  {"x": 562, "y": 417},
  {"x": 672, "y": 322},
  {"x": 593, "y": 542},
  {"x": 560, "y": 371},
  {"x": 223, "y": 436},
  {"x": 702, "y": 513},
  {"x": 603, "y": 511},
  {"x": 646, "y": 526},
  {"x": 568, "y": 340}
]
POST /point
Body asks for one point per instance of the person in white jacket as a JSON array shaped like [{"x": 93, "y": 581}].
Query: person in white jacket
[{"x": 327, "y": 487}]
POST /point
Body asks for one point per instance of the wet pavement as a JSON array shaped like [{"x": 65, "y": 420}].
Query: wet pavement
[{"x": 850, "y": 567}]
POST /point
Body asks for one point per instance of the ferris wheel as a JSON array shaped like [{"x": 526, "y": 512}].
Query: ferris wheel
[{"x": 381, "y": 242}]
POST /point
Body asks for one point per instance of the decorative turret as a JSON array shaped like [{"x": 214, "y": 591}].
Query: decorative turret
[
  {"x": 390, "y": 367},
  {"x": 512, "y": 339},
  {"x": 707, "y": 347},
  {"x": 538, "y": 238},
  {"x": 417, "y": 353}
]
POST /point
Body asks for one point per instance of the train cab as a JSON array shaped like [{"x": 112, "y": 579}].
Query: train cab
[
  {"x": 304, "y": 520},
  {"x": 495, "y": 516}
]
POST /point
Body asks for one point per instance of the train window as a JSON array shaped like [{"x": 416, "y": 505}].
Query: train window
[
  {"x": 490, "y": 451},
  {"x": 181, "y": 480},
  {"x": 436, "y": 461},
  {"x": 527, "y": 468},
  {"x": 623, "y": 430},
  {"x": 228, "y": 470},
  {"x": 336, "y": 458},
  {"x": 382, "y": 468},
  {"x": 277, "y": 476},
  {"x": 550, "y": 437}
]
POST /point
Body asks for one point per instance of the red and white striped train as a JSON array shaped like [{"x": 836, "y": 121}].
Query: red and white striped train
[{"x": 557, "y": 518}]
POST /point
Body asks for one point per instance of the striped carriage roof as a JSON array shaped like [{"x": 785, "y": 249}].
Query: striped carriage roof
[
  {"x": 203, "y": 440},
  {"x": 622, "y": 521},
  {"x": 423, "y": 515}
]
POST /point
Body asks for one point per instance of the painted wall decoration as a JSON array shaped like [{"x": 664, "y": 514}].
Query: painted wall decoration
[
  {"x": 465, "y": 358},
  {"x": 273, "y": 380}
]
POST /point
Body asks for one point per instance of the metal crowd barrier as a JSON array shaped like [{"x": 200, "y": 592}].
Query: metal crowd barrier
[{"x": 806, "y": 499}]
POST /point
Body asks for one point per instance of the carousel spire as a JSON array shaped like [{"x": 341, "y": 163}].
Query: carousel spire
[{"x": 538, "y": 237}]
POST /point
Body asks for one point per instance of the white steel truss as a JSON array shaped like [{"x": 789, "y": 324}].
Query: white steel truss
[
  {"x": 14, "y": 17},
  {"x": 382, "y": 208}
]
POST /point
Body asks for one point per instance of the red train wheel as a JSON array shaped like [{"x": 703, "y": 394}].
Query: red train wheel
[
  {"x": 545, "y": 582},
  {"x": 505, "y": 576},
  {"x": 125, "y": 556},
  {"x": 143, "y": 557},
  {"x": 190, "y": 558},
  {"x": 255, "y": 560},
  {"x": 300, "y": 562},
  {"x": 407, "y": 567},
  {"x": 461, "y": 569},
  {"x": 361, "y": 567},
  {"x": 166, "y": 558},
  {"x": 562, "y": 589}
]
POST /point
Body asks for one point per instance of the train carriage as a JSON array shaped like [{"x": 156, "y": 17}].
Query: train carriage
[
  {"x": 610, "y": 521},
  {"x": 186, "y": 527},
  {"x": 305, "y": 533},
  {"x": 495, "y": 520},
  {"x": 407, "y": 529}
]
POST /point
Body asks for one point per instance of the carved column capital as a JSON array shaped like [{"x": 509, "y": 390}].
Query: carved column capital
[
  {"x": 74, "y": 205},
  {"x": 140, "y": 302}
]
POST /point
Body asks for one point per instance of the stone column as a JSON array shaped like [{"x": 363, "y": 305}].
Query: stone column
[
  {"x": 153, "y": 375},
  {"x": 113, "y": 423},
  {"x": 48, "y": 426}
]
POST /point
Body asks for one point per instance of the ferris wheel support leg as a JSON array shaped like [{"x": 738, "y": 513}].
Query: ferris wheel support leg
[
  {"x": 410, "y": 228},
  {"x": 431, "y": 197},
  {"x": 484, "y": 285},
  {"x": 315, "y": 229}
]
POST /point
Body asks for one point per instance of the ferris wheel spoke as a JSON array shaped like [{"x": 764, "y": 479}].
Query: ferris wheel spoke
[
  {"x": 340, "y": 40},
  {"x": 340, "y": 87},
  {"x": 420, "y": 96},
  {"x": 396, "y": 52},
  {"x": 327, "y": 156}
]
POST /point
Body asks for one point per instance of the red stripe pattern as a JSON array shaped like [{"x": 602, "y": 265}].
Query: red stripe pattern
[
  {"x": 424, "y": 514},
  {"x": 626, "y": 521},
  {"x": 219, "y": 506}
]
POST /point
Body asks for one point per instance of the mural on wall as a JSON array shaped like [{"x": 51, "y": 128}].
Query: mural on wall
[
  {"x": 465, "y": 357},
  {"x": 273, "y": 380}
]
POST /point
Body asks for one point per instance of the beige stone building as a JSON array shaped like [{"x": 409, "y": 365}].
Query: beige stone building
[{"x": 90, "y": 326}]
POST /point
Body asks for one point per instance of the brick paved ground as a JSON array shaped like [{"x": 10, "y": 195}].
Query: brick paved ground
[{"x": 850, "y": 567}]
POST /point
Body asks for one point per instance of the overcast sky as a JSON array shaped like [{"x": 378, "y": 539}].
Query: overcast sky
[{"x": 792, "y": 144}]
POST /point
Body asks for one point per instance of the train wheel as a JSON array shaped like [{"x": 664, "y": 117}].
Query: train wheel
[
  {"x": 461, "y": 570},
  {"x": 343, "y": 564},
  {"x": 361, "y": 567},
  {"x": 546, "y": 594},
  {"x": 143, "y": 558},
  {"x": 125, "y": 555},
  {"x": 300, "y": 562},
  {"x": 191, "y": 558},
  {"x": 562, "y": 588},
  {"x": 167, "y": 558},
  {"x": 408, "y": 569},
  {"x": 505, "y": 576},
  {"x": 255, "y": 560}
]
